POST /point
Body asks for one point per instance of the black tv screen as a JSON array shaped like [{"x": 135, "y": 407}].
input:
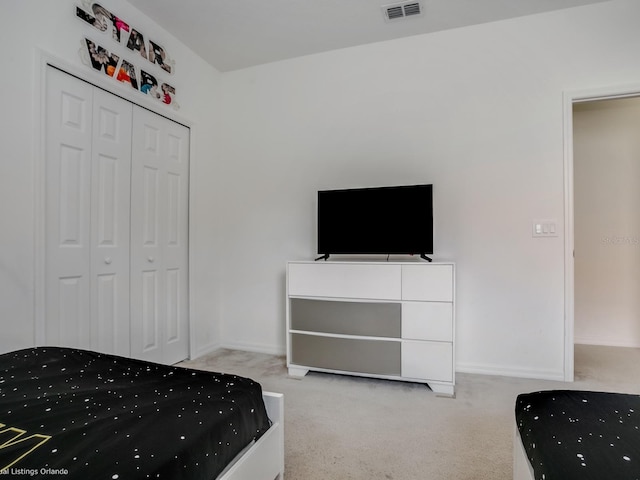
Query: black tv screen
[{"x": 382, "y": 220}]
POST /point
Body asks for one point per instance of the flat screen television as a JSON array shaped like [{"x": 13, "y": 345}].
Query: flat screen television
[{"x": 395, "y": 220}]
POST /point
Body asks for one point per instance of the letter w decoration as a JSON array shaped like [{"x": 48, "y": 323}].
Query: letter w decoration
[{"x": 14, "y": 445}]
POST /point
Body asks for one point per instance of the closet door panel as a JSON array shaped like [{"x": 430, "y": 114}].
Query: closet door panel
[
  {"x": 72, "y": 171},
  {"x": 105, "y": 322},
  {"x": 147, "y": 226},
  {"x": 150, "y": 220},
  {"x": 110, "y": 221},
  {"x": 71, "y": 329},
  {"x": 150, "y": 341},
  {"x": 69, "y": 107},
  {"x": 176, "y": 242},
  {"x": 159, "y": 238},
  {"x": 174, "y": 297},
  {"x": 146, "y": 266}
]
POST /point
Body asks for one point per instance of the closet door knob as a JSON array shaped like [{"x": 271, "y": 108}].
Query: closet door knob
[
  {"x": 107, "y": 260},
  {"x": 150, "y": 259}
]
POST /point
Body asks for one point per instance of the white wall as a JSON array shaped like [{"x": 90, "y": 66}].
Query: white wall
[
  {"x": 606, "y": 143},
  {"x": 31, "y": 28},
  {"x": 477, "y": 112}
]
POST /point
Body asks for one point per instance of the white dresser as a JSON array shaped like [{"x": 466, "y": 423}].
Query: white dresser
[{"x": 380, "y": 319}]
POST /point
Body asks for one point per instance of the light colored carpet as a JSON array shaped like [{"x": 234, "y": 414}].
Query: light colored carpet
[{"x": 351, "y": 428}]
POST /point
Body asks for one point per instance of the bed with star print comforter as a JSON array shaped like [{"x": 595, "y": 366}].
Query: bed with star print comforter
[
  {"x": 75, "y": 414},
  {"x": 580, "y": 435}
]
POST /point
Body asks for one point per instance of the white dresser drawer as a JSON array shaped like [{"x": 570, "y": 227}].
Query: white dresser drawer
[
  {"x": 340, "y": 280},
  {"x": 427, "y": 321},
  {"x": 434, "y": 283},
  {"x": 427, "y": 360}
]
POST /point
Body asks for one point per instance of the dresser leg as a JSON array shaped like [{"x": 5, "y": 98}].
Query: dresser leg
[
  {"x": 298, "y": 372},
  {"x": 442, "y": 390}
]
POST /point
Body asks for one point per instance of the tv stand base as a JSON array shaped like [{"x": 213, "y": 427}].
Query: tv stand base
[
  {"x": 440, "y": 389},
  {"x": 298, "y": 372}
]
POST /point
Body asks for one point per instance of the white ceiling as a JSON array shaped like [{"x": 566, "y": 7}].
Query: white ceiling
[{"x": 234, "y": 34}]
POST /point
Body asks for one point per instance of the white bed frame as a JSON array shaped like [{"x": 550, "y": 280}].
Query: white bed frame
[
  {"x": 263, "y": 460},
  {"x": 522, "y": 469}
]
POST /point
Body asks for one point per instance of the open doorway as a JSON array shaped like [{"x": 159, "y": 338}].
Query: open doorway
[{"x": 603, "y": 238}]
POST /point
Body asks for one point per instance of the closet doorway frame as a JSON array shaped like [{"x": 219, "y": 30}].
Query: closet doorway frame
[
  {"x": 569, "y": 99},
  {"x": 44, "y": 60}
]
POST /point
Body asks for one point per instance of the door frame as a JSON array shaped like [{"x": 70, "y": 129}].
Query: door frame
[
  {"x": 569, "y": 99},
  {"x": 42, "y": 61}
]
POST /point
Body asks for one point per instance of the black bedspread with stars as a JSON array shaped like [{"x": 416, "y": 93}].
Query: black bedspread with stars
[
  {"x": 75, "y": 414},
  {"x": 580, "y": 435}
]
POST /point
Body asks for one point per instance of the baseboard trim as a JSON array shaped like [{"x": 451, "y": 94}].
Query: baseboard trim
[
  {"x": 603, "y": 342},
  {"x": 254, "y": 347},
  {"x": 502, "y": 371}
]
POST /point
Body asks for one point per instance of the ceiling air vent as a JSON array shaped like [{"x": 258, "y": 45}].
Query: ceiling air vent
[{"x": 401, "y": 10}]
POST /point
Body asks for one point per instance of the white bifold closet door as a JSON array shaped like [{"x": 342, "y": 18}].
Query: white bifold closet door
[
  {"x": 114, "y": 224},
  {"x": 88, "y": 169},
  {"x": 159, "y": 255}
]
